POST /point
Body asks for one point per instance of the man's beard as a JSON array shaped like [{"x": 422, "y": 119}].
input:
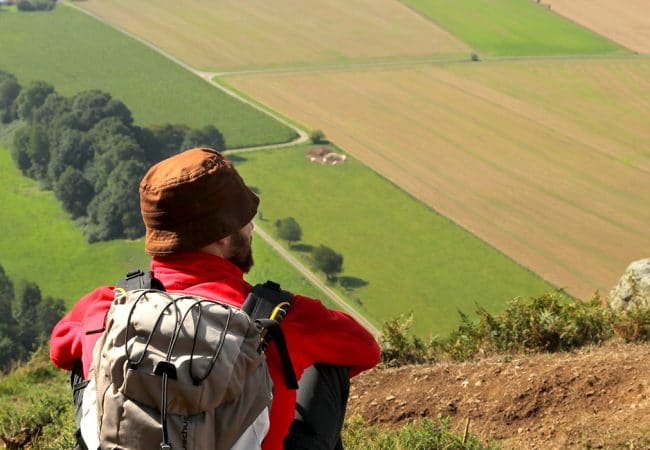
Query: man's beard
[{"x": 241, "y": 251}]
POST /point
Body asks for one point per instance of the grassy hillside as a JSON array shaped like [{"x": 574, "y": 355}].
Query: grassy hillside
[
  {"x": 75, "y": 52},
  {"x": 399, "y": 256},
  {"x": 40, "y": 243},
  {"x": 512, "y": 27}
]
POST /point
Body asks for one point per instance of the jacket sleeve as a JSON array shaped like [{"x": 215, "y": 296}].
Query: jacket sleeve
[
  {"x": 328, "y": 336},
  {"x": 73, "y": 336}
]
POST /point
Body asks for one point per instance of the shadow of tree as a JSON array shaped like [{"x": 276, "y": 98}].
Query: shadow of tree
[
  {"x": 306, "y": 248},
  {"x": 352, "y": 282},
  {"x": 235, "y": 158}
]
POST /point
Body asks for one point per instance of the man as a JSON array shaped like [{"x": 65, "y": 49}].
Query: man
[{"x": 197, "y": 212}]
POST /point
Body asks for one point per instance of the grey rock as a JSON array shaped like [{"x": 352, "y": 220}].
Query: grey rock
[{"x": 633, "y": 289}]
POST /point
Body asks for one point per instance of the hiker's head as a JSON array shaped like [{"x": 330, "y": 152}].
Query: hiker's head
[{"x": 194, "y": 199}]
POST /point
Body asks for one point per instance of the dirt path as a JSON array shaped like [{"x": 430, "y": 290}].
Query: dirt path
[
  {"x": 315, "y": 280},
  {"x": 595, "y": 398}
]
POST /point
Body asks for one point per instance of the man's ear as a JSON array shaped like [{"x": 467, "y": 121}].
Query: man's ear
[{"x": 219, "y": 248}]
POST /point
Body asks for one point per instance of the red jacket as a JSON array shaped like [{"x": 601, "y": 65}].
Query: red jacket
[{"x": 313, "y": 333}]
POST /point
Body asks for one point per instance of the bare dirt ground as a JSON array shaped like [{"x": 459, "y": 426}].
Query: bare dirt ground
[{"x": 594, "y": 398}]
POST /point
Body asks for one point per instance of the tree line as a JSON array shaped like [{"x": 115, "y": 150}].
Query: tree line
[
  {"x": 26, "y": 319},
  {"x": 88, "y": 151}
]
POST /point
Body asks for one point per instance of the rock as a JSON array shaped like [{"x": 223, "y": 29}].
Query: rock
[{"x": 633, "y": 289}]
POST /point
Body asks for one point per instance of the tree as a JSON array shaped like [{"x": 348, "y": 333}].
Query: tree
[
  {"x": 90, "y": 107},
  {"x": 6, "y": 300},
  {"x": 9, "y": 91},
  {"x": 115, "y": 211},
  {"x": 169, "y": 139},
  {"x": 74, "y": 191},
  {"x": 208, "y": 136},
  {"x": 317, "y": 137},
  {"x": 31, "y": 98},
  {"x": 48, "y": 312},
  {"x": 54, "y": 106},
  {"x": 19, "y": 150},
  {"x": 9, "y": 349},
  {"x": 328, "y": 261},
  {"x": 39, "y": 152},
  {"x": 70, "y": 149},
  {"x": 289, "y": 230},
  {"x": 28, "y": 301}
]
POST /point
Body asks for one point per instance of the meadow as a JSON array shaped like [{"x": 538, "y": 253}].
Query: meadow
[
  {"x": 74, "y": 52},
  {"x": 545, "y": 160},
  {"x": 229, "y": 36},
  {"x": 512, "y": 27},
  {"x": 399, "y": 255},
  {"x": 630, "y": 29},
  {"x": 40, "y": 243}
]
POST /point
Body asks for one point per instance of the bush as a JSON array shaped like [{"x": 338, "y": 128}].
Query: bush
[
  {"x": 399, "y": 347},
  {"x": 549, "y": 323},
  {"x": 317, "y": 137}
]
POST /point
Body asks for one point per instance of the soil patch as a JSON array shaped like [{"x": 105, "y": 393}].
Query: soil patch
[
  {"x": 324, "y": 156},
  {"x": 596, "y": 398}
]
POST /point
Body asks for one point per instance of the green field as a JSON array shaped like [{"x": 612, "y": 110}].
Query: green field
[
  {"x": 74, "y": 52},
  {"x": 400, "y": 255},
  {"x": 39, "y": 243},
  {"x": 512, "y": 28}
]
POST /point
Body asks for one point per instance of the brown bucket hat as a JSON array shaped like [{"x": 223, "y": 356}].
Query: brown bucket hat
[{"x": 192, "y": 199}]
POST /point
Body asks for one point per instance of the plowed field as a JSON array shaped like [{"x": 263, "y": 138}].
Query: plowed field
[
  {"x": 548, "y": 161},
  {"x": 234, "y": 34},
  {"x": 624, "y": 21}
]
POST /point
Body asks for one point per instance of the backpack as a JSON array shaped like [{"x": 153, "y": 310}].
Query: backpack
[{"x": 176, "y": 371}]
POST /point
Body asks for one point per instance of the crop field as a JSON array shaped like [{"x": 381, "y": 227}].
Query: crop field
[
  {"x": 631, "y": 27},
  {"x": 513, "y": 27},
  {"x": 546, "y": 160},
  {"x": 399, "y": 256},
  {"x": 235, "y": 35},
  {"x": 40, "y": 243},
  {"x": 74, "y": 52}
]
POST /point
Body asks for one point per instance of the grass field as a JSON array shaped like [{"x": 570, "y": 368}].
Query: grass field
[
  {"x": 512, "y": 27},
  {"x": 547, "y": 161},
  {"x": 399, "y": 254},
  {"x": 75, "y": 52},
  {"x": 233, "y": 35},
  {"x": 630, "y": 29},
  {"x": 39, "y": 243}
]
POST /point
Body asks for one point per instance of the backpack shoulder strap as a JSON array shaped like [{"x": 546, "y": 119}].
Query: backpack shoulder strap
[
  {"x": 267, "y": 304},
  {"x": 137, "y": 279}
]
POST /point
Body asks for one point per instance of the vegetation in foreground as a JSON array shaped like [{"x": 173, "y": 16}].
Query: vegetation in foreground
[
  {"x": 95, "y": 56},
  {"x": 513, "y": 27},
  {"x": 36, "y": 404},
  {"x": 549, "y": 323}
]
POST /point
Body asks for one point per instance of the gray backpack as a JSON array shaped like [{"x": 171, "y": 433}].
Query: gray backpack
[{"x": 174, "y": 371}]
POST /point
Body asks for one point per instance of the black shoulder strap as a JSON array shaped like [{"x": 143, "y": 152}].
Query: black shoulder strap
[
  {"x": 267, "y": 305},
  {"x": 137, "y": 279}
]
